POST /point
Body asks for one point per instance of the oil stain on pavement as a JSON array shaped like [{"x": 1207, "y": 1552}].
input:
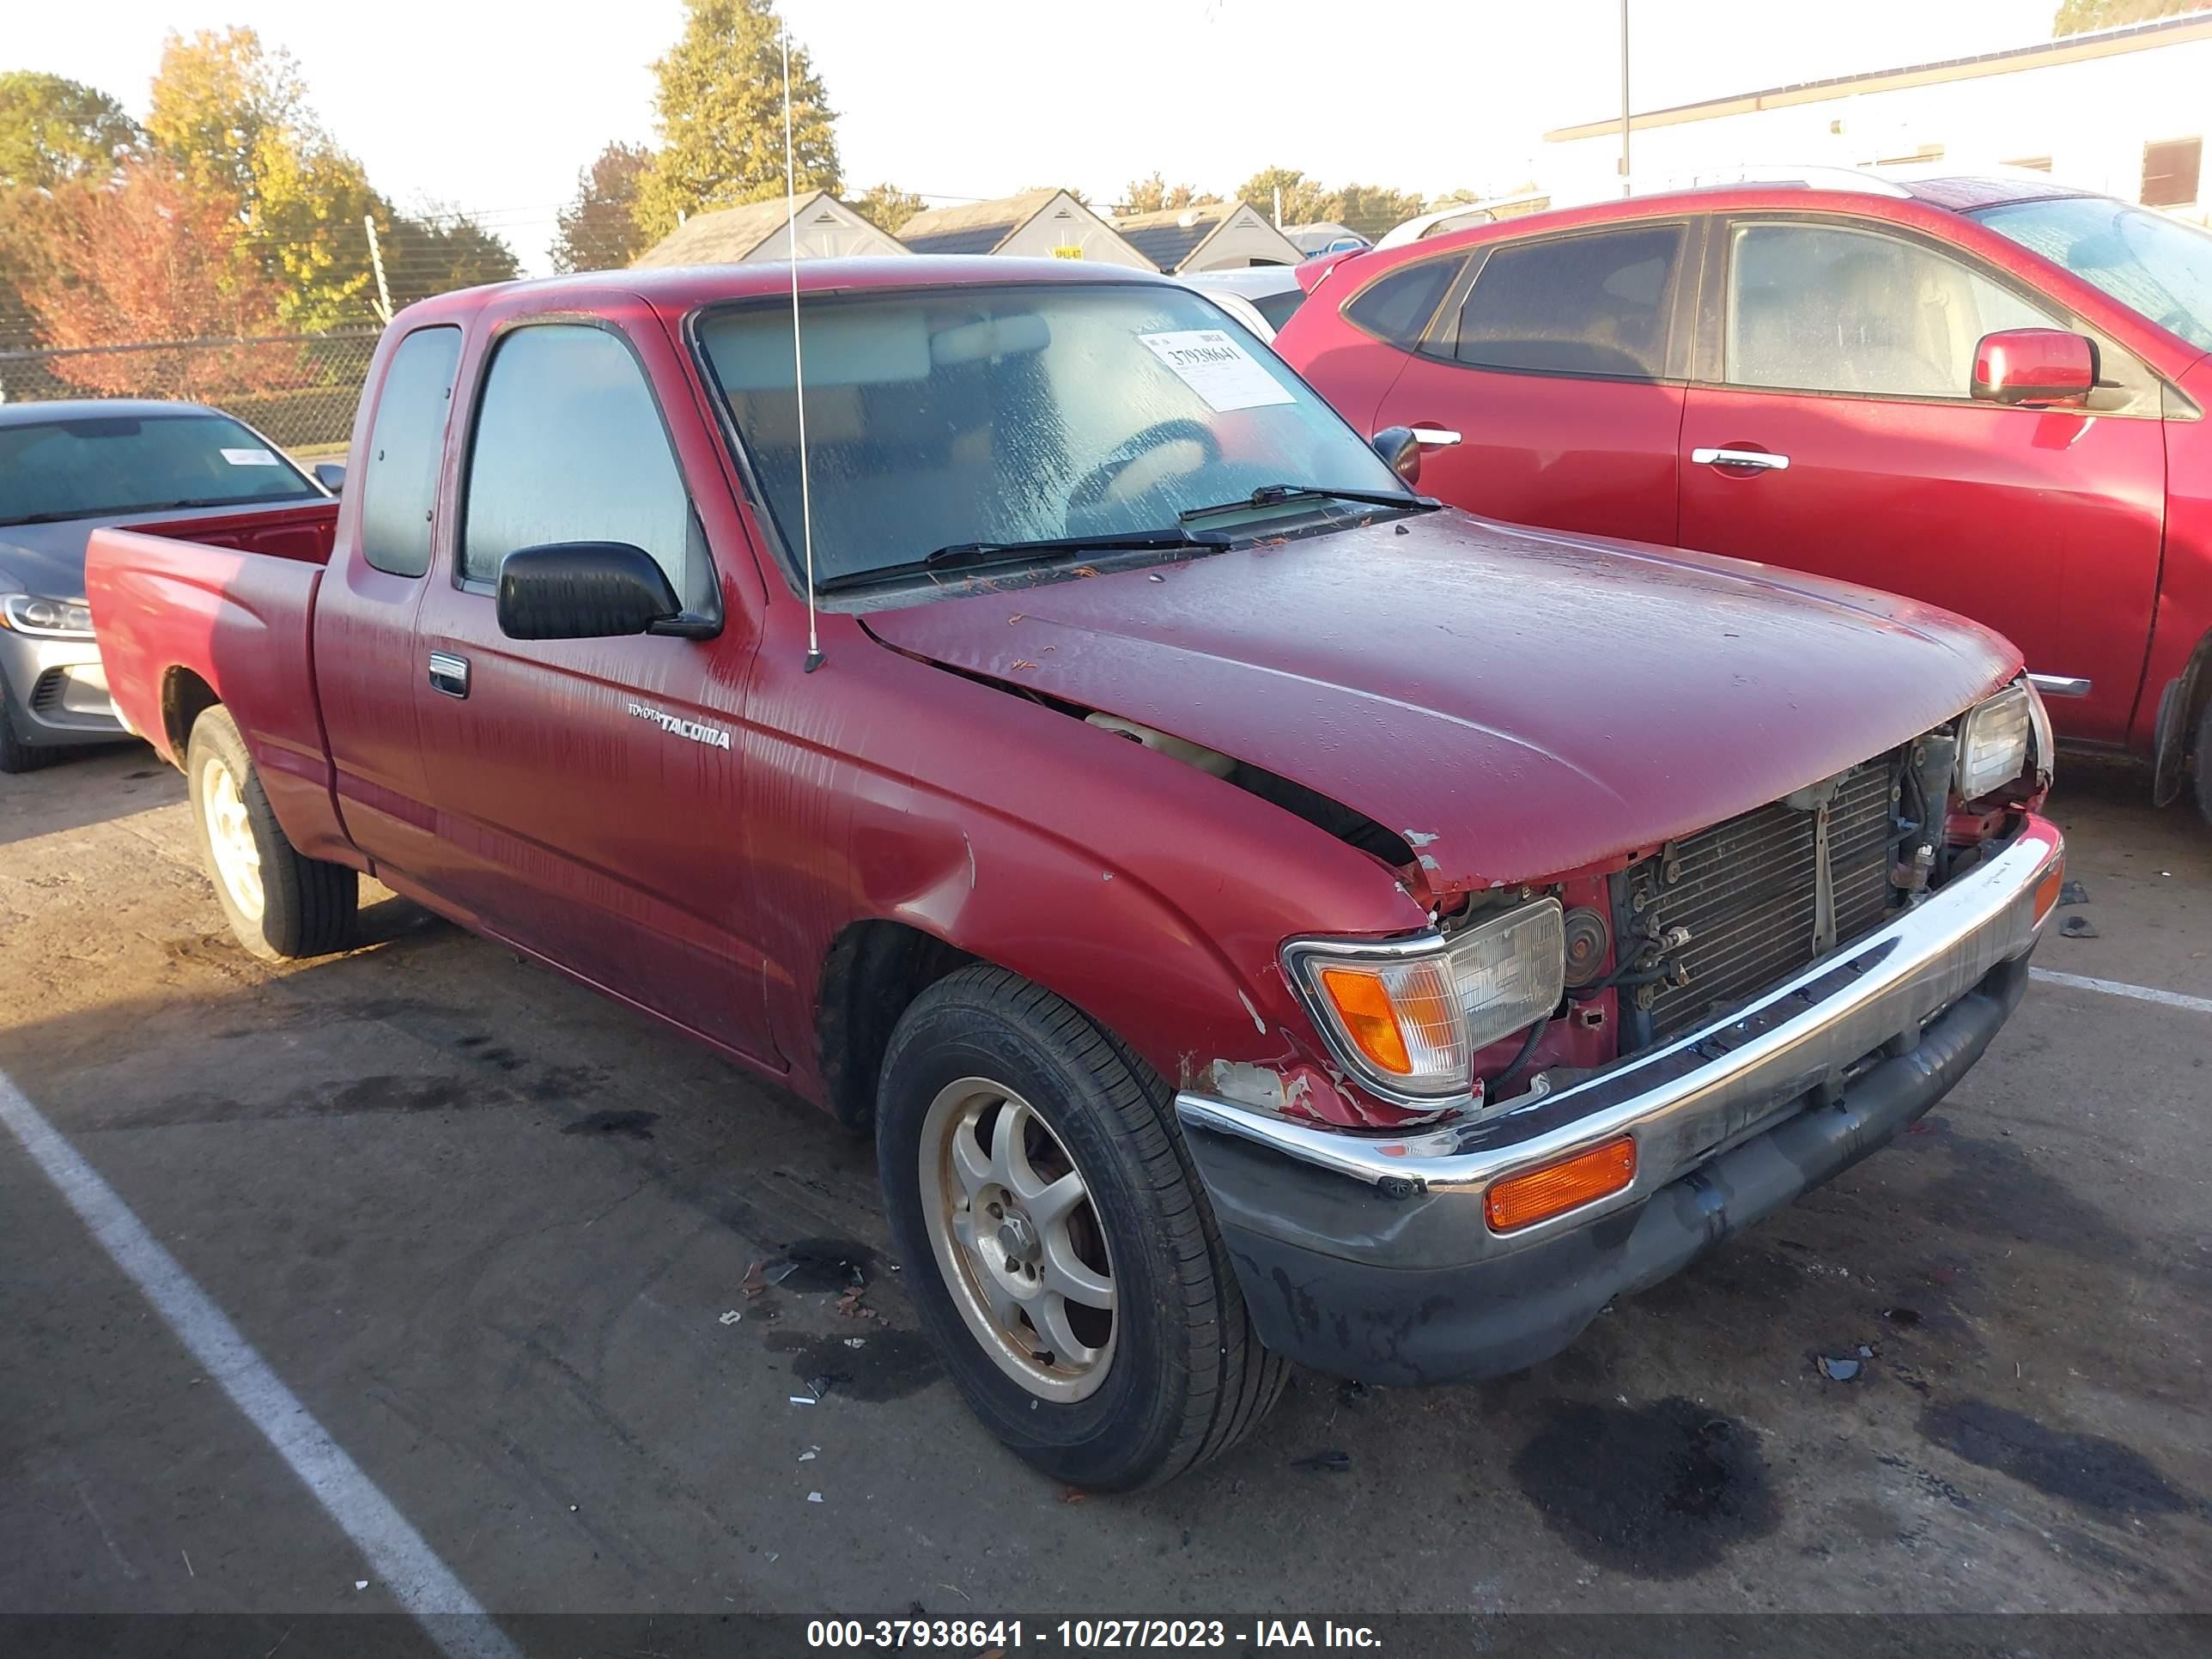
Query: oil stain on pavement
[
  {"x": 1661, "y": 1491},
  {"x": 2083, "y": 1469}
]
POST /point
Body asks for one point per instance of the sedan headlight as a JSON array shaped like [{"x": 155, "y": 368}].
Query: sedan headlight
[
  {"x": 1407, "y": 1018},
  {"x": 1993, "y": 742},
  {"x": 46, "y": 619}
]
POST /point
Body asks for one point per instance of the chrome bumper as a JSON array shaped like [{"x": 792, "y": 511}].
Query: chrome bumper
[{"x": 1710, "y": 1090}]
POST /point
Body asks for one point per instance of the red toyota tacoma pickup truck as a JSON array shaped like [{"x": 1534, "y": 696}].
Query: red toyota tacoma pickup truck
[{"x": 1261, "y": 914}]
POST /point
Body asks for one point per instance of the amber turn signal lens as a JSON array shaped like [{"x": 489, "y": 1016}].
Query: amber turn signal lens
[
  {"x": 1534, "y": 1196},
  {"x": 2047, "y": 889},
  {"x": 1362, "y": 1002}
]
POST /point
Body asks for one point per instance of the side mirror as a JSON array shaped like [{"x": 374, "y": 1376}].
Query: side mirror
[
  {"x": 1399, "y": 447},
  {"x": 2034, "y": 365},
  {"x": 582, "y": 590},
  {"x": 332, "y": 475}
]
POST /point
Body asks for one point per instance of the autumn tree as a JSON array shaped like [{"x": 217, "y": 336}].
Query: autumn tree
[
  {"x": 2081, "y": 16},
  {"x": 886, "y": 207},
  {"x": 598, "y": 230},
  {"x": 146, "y": 256},
  {"x": 53, "y": 130},
  {"x": 721, "y": 106},
  {"x": 1154, "y": 194}
]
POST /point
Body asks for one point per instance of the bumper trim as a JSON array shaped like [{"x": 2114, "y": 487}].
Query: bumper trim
[{"x": 1705, "y": 1091}]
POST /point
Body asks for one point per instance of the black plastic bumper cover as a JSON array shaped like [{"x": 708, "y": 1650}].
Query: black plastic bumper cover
[{"x": 1418, "y": 1322}]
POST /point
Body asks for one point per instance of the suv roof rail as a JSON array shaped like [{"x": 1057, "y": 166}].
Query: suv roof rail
[{"x": 1863, "y": 179}]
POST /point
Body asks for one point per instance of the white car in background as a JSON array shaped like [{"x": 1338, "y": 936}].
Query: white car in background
[{"x": 1261, "y": 297}]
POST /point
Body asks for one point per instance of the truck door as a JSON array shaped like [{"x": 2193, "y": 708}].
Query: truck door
[
  {"x": 1835, "y": 434},
  {"x": 588, "y": 792},
  {"x": 365, "y": 606}
]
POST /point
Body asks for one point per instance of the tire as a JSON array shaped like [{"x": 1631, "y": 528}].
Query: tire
[
  {"x": 1178, "y": 1376},
  {"x": 15, "y": 755},
  {"x": 291, "y": 905},
  {"x": 2201, "y": 752}
]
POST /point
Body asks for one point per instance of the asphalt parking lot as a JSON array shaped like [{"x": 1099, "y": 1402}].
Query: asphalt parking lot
[{"x": 487, "y": 1229}]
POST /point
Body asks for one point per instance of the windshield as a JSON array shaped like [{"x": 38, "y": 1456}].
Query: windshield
[
  {"x": 942, "y": 417},
  {"x": 93, "y": 465},
  {"x": 2154, "y": 264}
]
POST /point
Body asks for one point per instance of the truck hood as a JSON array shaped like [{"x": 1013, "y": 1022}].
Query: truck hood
[{"x": 1515, "y": 704}]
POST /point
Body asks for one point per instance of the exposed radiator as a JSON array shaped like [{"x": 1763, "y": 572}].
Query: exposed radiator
[{"x": 1748, "y": 894}]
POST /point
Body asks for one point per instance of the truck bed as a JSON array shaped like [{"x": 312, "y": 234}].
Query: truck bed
[{"x": 221, "y": 610}]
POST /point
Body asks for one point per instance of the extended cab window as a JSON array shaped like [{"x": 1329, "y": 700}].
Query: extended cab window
[
  {"x": 1827, "y": 308},
  {"x": 1575, "y": 305},
  {"x": 569, "y": 448},
  {"x": 399, "y": 485}
]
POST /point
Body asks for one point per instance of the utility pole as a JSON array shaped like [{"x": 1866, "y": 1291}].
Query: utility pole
[
  {"x": 376, "y": 264},
  {"x": 1625, "y": 174}
]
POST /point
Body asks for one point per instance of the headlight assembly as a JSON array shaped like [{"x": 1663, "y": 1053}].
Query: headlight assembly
[
  {"x": 45, "y": 619},
  {"x": 1993, "y": 742},
  {"x": 1408, "y": 1017}
]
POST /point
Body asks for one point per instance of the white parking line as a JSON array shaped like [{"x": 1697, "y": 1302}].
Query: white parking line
[
  {"x": 2116, "y": 987},
  {"x": 399, "y": 1558}
]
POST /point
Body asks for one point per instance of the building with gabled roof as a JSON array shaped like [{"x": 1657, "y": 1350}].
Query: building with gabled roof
[
  {"x": 758, "y": 232},
  {"x": 1208, "y": 236},
  {"x": 1037, "y": 224}
]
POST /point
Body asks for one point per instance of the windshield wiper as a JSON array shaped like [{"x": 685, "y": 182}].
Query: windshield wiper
[
  {"x": 1275, "y": 494},
  {"x": 962, "y": 554}
]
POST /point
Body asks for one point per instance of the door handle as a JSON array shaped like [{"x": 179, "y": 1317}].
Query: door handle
[
  {"x": 1765, "y": 459},
  {"x": 449, "y": 673}
]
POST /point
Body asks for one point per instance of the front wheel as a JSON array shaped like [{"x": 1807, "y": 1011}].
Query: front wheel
[
  {"x": 279, "y": 903},
  {"x": 1065, "y": 1264}
]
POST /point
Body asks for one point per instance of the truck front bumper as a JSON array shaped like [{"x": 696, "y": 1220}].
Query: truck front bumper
[{"x": 1371, "y": 1256}]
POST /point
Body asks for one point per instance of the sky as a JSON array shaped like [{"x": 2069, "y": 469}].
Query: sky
[{"x": 493, "y": 107}]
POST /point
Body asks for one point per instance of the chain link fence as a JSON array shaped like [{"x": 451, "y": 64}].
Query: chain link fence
[{"x": 300, "y": 389}]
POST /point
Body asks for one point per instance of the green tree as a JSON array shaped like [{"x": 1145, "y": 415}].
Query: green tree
[
  {"x": 234, "y": 118},
  {"x": 720, "y": 104},
  {"x": 886, "y": 207},
  {"x": 1305, "y": 201},
  {"x": 598, "y": 230},
  {"x": 2081, "y": 16},
  {"x": 1370, "y": 209},
  {"x": 53, "y": 130},
  {"x": 220, "y": 100},
  {"x": 1154, "y": 194},
  {"x": 438, "y": 249}
]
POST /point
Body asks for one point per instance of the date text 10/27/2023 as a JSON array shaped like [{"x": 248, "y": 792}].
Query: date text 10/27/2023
[{"x": 1086, "y": 1634}]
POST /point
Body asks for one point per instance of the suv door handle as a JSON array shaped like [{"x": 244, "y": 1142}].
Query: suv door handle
[
  {"x": 1766, "y": 459},
  {"x": 449, "y": 673}
]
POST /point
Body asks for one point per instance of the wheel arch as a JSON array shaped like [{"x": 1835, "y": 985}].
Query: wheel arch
[{"x": 184, "y": 697}]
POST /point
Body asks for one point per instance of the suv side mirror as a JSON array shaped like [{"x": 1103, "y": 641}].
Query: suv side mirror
[
  {"x": 582, "y": 590},
  {"x": 1399, "y": 447},
  {"x": 2034, "y": 365},
  {"x": 332, "y": 475}
]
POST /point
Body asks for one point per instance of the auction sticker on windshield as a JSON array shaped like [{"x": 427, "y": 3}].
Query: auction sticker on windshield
[
  {"x": 1211, "y": 363},
  {"x": 249, "y": 457}
]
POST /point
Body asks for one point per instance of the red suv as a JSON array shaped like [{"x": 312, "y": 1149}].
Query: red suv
[{"x": 1988, "y": 393}]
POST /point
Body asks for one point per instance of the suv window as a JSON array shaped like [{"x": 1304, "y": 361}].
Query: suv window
[
  {"x": 399, "y": 485},
  {"x": 1397, "y": 309},
  {"x": 1824, "y": 308},
  {"x": 569, "y": 448},
  {"x": 1575, "y": 305}
]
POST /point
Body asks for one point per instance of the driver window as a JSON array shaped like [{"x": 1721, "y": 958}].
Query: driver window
[
  {"x": 1822, "y": 308},
  {"x": 569, "y": 448}
]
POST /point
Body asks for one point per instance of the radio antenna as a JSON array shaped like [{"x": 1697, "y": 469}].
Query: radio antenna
[{"x": 798, "y": 357}]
